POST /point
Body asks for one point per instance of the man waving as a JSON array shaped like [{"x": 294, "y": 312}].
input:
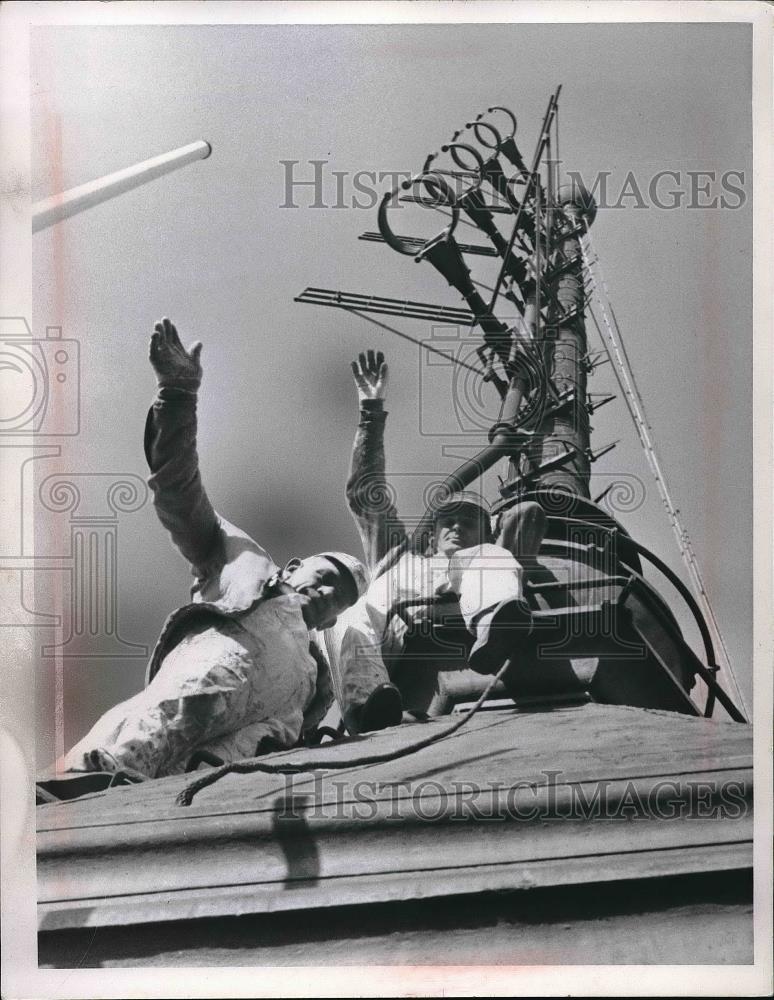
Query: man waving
[
  {"x": 462, "y": 567},
  {"x": 239, "y": 668}
]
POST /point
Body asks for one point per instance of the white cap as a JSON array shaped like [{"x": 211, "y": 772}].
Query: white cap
[
  {"x": 354, "y": 567},
  {"x": 464, "y": 498}
]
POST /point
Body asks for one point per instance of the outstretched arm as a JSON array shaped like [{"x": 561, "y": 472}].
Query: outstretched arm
[
  {"x": 368, "y": 495},
  {"x": 170, "y": 448}
]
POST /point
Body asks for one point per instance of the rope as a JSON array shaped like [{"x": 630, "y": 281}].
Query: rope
[
  {"x": 185, "y": 798},
  {"x": 612, "y": 341}
]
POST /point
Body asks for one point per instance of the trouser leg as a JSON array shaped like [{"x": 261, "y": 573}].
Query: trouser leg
[
  {"x": 372, "y": 641},
  {"x": 522, "y": 528},
  {"x": 361, "y": 665},
  {"x": 208, "y": 687},
  {"x": 126, "y": 736},
  {"x": 483, "y": 577},
  {"x": 489, "y": 581}
]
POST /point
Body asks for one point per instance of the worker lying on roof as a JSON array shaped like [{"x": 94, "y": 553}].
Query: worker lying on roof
[
  {"x": 240, "y": 667},
  {"x": 463, "y": 564}
]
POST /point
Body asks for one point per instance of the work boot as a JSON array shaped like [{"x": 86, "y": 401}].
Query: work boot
[
  {"x": 72, "y": 784},
  {"x": 498, "y": 635},
  {"x": 383, "y": 708}
]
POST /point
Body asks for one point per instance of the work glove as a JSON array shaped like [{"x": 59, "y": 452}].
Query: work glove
[{"x": 173, "y": 365}]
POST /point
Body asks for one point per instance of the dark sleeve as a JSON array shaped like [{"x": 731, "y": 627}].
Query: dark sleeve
[
  {"x": 369, "y": 497},
  {"x": 178, "y": 495}
]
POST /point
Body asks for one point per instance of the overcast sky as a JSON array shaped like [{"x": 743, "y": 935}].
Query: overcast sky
[{"x": 212, "y": 247}]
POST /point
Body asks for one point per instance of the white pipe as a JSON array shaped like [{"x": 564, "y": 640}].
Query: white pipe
[{"x": 61, "y": 206}]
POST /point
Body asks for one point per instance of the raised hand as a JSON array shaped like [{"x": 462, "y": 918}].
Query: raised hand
[
  {"x": 370, "y": 374},
  {"x": 171, "y": 362}
]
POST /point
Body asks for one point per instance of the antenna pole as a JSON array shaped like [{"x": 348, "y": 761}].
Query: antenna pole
[
  {"x": 68, "y": 203},
  {"x": 559, "y": 292}
]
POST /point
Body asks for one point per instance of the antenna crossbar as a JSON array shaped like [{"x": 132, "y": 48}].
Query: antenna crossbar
[
  {"x": 502, "y": 209},
  {"x": 385, "y": 306},
  {"x": 417, "y": 244}
]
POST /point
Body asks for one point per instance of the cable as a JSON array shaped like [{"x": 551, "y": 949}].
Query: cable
[
  {"x": 706, "y": 673},
  {"x": 413, "y": 340},
  {"x": 528, "y": 359},
  {"x": 185, "y": 798}
]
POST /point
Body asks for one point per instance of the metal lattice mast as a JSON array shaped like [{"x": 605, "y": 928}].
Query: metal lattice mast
[
  {"x": 559, "y": 457},
  {"x": 613, "y": 344}
]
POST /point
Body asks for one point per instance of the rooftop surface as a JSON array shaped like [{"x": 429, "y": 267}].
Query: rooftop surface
[{"x": 514, "y": 800}]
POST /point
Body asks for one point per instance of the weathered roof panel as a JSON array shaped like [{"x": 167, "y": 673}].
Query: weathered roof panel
[{"x": 513, "y": 800}]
